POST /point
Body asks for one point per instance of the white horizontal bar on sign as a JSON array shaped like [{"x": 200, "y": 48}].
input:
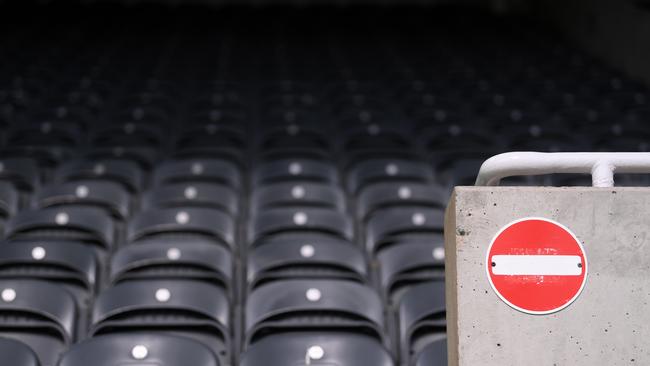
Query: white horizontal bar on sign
[{"x": 537, "y": 265}]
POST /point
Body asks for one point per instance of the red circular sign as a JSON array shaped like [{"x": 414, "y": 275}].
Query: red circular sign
[{"x": 536, "y": 265}]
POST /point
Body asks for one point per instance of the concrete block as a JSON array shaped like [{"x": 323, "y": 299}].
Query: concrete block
[{"x": 609, "y": 324}]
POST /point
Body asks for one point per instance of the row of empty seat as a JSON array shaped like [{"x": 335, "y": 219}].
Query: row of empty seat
[{"x": 185, "y": 187}]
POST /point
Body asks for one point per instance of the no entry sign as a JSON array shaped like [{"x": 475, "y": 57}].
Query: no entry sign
[{"x": 536, "y": 265}]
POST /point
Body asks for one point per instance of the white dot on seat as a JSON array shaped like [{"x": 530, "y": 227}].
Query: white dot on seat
[
  {"x": 173, "y": 254},
  {"x": 197, "y": 168},
  {"x": 455, "y": 130},
  {"x": 307, "y": 251},
  {"x": 418, "y": 219},
  {"x": 404, "y": 193},
  {"x": 440, "y": 115},
  {"x": 139, "y": 352},
  {"x": 182, "y": 217},
  {"x": 190, "y": 193},
  {"x": 373, "y": 130},
  {"x": 129, "y": 128},
  {"x": 62, "y": 218},
  {"x": 365, "y": 116},
  {"x": 315, "y": 353},
  {"x": 298, "y": 192},
  {"x": 163, "y": 295},
  {"x": 99, "y": 169},
  {"x": 8, "y": 295},
  {"x": 211, "y": 128},
  {"x": 300, "y": 218},
  {"x": 293, "y": 129},
  {"x": 295, "y": 168},
  {"x": 313, "y": 294},
  {"x": 46, "y": 127},
  {"x": 439, "y": 253},
  {"x": 38, "y": 253},
  {"x": 535, "y": 130},
  {"x": 392, "y": 169},
  {"x": 81, "y": 191}
]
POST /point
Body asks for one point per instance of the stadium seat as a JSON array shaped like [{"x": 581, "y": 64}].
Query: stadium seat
[
  {"x": 108, "y": 196},
  {"x": 139, "y": 348},
  {"x": 67, "y": 263},
  {"x": 190, "y": 308},
  {"x": 434, "y": 354},
  {"x": 193, "y": 259},
  {"x": 183, "y": 222},
  {"x": 324, "y": 348},
  {"x": 294, "y": 170},
  {"x": 17, "y": 353},
  {"x": 126, "y": 173},
  {"x": 297, "y": 194},
  {"x": 304, "y": 259},
  {"x": 194, "y": 194},
  {"x": 310, "y": 305},
  {"x": 84, "y": 224},
  {"x": 409, "y": 262},
  {"x": 41, "y": 315},
  {"x": 394, "y": 222},
  {"x": 278, "y": 220},
  {"x": 421, "y": 322},
  {"x": 196, "y": 171}
]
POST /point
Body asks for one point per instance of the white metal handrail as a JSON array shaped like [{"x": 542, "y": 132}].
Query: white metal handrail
[{"x": 601, "y": 166}]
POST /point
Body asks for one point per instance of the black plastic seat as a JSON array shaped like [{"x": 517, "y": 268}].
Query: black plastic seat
[
  {"x": 9, "y": 200},
  {"x": 144, "y": 157},
  {"x": 190, "y": 308},
  {"x": 182, "y": 223},
  {"x": 193, "y": 171},
  {"x": 211, "y": 135},
  {"x": 69, "y": 264},
  {"x": 83, "y": 224},
  {"x": 433, "y": 354},
  {"x": 193, "y": 259},
  {"x": 294, "y": 258},
  {"x": 386, "y": 195},
  {"x": 544, "y": 138},
  {"x": 320, "y": 348},
  {"x": 44, "y": 134},
  {"x": 39, "y": 314},
  {"x": 297, "y": 194},
  {"x": 373, "y": 171},
  {"x": 294, "y": 136},
  {"x": 391, "y": 223},
  {"x": 421, "y": 318},
  {"x": 458, "y": 137},
  {"x": 409, "y": 262},
  {"x": 126, "y": 173},
  {"x": 128, "y": 134},
  {"x": 140, "y": 349},
  {"x": 108, "y": 196},
  {"x": 23, "y": 173},
  {"x": 313, "y": 305},
  {"x": 374, "y": 136},
  {"x": 234, "y": 156},
  {"x": 16, "y": 353},
  {"x": 279, "y": 220},
  {"x": 204, "y": 195},
  {"x": 44, "y": 157},
  {"x": 294, "y": 170}
]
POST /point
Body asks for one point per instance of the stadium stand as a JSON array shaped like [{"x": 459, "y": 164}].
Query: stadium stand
[{"x": 182, "y": 186}]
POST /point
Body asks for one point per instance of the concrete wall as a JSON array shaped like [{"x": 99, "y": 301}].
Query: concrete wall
[{"x": 609, "y": 324}]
